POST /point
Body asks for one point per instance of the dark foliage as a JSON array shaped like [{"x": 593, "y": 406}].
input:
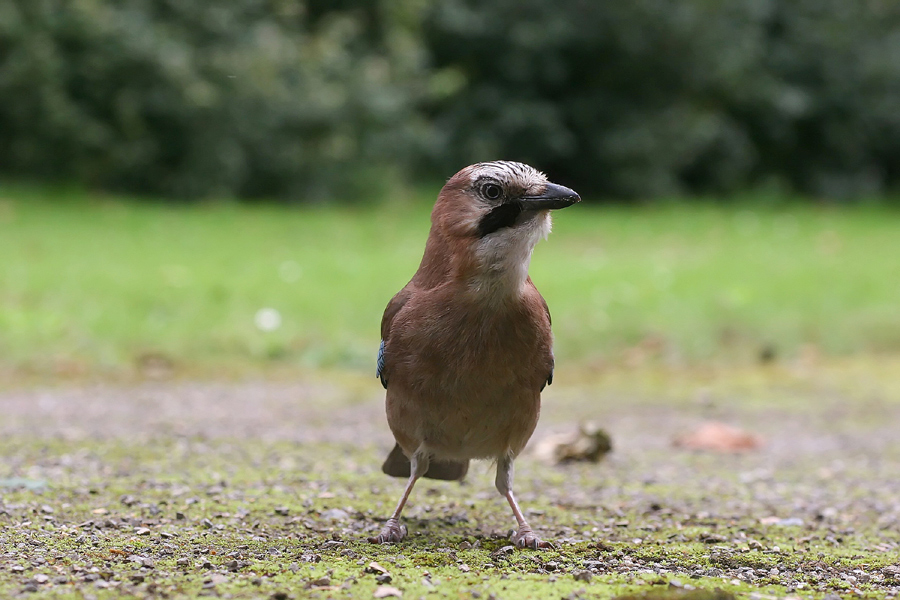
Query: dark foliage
[
  {"x": 309, "y": 99},
  {"x": 650, "y": 97}
]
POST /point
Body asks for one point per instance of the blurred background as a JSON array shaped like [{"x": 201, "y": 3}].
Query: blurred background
[{"x": 201, "y": 187}]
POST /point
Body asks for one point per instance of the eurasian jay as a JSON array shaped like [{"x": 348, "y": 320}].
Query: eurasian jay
[{"x": 466, "y": 346}]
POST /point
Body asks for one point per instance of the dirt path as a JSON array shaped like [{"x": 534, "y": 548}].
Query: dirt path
[{"x": 166, "y": 473}]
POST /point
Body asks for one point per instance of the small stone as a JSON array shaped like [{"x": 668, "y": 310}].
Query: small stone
[
  {"x": 280, "y": 596},
  {"x": 464, "y": 568},
  {"x": 142, "y": 531},
  {"x": 233, "y": 565},
  {"x": 47, "y": 509},
  {"x": 386, "y": 591},
  {"x": 384, "y": 578},
  {"x": 179, "y": 516},
  {"x": 30, "y": 587},
  {"x": 137, "y": 578},
  {"x": 335, "y": 514},
  {"x": 41, "y": 578},
  {"x": 374, "y": 567},
  {"x": 282, "y": 511},
  {"x": 207, "y": 523},
  {"x": 321, "y": 582},
  {"x": 584, "y": 576},
  {"x": 464, "y": 545}
]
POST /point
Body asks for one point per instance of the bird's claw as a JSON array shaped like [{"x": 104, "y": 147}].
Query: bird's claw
[
  {"x": 526, "y": 538},
  {"x": 393, "y": 531}
]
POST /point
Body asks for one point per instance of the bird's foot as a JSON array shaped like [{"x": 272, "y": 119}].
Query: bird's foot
[
  {"x": 393, "y": 531},
  {"x": 526, "y": 538}
]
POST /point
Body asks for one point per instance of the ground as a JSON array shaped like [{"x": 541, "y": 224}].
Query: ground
[
  {"x": 269, "y": 487},
  {"x": 188, "y": 403}
]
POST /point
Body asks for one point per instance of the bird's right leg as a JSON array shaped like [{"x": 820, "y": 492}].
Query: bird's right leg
[{"x": 393, "y": 530}]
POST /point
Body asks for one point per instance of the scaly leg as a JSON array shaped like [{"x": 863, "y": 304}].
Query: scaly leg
[
  {"x": 393, "y": 530},
  {"x": 525, "y": 536}
]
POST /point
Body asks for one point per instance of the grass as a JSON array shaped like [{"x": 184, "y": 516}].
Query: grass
[{"x": 101, "y": 284}]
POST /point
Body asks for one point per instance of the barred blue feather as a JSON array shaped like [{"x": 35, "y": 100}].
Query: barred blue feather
[{"x": 379, "y": 368}]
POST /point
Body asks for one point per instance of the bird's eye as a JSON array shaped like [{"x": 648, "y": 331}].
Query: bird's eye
[{"x": 492, "y": 191}]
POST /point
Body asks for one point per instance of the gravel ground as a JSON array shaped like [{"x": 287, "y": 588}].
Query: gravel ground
[{"x": 269, "y": 489}]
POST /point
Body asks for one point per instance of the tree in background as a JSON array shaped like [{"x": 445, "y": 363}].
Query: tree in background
[
  {"x": 312, "y": 100},
  {"x": 657, "y": 98}
]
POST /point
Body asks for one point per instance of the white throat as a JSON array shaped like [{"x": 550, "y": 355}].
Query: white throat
[{"x": 504, "y": 257}]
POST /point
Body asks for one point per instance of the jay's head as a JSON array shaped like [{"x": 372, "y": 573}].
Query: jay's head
[
  {"x": 495, "y": 212},
  {"x": 499, "y": 199}
]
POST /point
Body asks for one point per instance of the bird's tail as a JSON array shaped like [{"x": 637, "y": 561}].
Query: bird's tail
[{"x": 397, "y": 465}]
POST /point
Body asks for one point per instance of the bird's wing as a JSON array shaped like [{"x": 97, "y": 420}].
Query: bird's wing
[
  {"x": 552, "y": 359},
  {"x": 379, "y": 365},
  {"x": 390, "y": 312}
]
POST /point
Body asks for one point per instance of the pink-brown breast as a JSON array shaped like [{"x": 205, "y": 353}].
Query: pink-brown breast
[{"x": 465, "y": 376}]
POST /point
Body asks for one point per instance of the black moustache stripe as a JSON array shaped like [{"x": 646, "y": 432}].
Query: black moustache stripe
[{"x": 501, "y": 216}]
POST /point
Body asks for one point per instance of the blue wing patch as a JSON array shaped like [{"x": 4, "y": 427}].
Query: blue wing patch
[{"x": 379, "y": 365}]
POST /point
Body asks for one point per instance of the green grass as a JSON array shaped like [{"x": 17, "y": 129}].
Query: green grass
[{"x": 93, "y": 284}]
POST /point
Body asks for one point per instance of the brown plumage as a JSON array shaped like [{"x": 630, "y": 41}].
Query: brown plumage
[{"x": 466, "y": 344}]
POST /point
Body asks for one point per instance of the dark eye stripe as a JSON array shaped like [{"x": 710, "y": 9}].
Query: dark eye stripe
[{"x": 499, "y": 217}]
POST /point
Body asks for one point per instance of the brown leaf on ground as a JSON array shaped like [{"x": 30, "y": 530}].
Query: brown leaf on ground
[
  {"x": 588, "y": 443},
  {"x": 719, "y": 437}
]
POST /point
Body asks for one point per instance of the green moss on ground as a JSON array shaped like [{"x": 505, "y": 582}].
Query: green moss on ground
[{"x": 132, "y": 500}]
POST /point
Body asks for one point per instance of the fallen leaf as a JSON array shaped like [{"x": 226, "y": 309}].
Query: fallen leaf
[
  {"x": 374, "y": 567},
  {"x": 588, "y": 443},
  {"x": 386, "y": 591},
  {"x": 719, "y": 437}
]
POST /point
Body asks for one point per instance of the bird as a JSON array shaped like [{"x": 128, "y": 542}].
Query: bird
[{"x": 466, "y": 345}]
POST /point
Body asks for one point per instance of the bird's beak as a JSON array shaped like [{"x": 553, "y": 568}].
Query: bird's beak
[{"x": 554, "y": 196}]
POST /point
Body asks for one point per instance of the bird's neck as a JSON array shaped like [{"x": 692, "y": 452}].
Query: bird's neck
[
  {"x": 493, "y": 268},
  {"x": 501, "y": 269},
  {"x": 501, "y": 261}
]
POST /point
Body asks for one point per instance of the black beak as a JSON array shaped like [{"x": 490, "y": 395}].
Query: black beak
[{"x": 554, "y": 196}]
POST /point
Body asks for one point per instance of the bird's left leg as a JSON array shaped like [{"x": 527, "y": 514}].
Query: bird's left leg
[
  {"x": 393, "y": 530},
  {"x": 525, "y": 536}
]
